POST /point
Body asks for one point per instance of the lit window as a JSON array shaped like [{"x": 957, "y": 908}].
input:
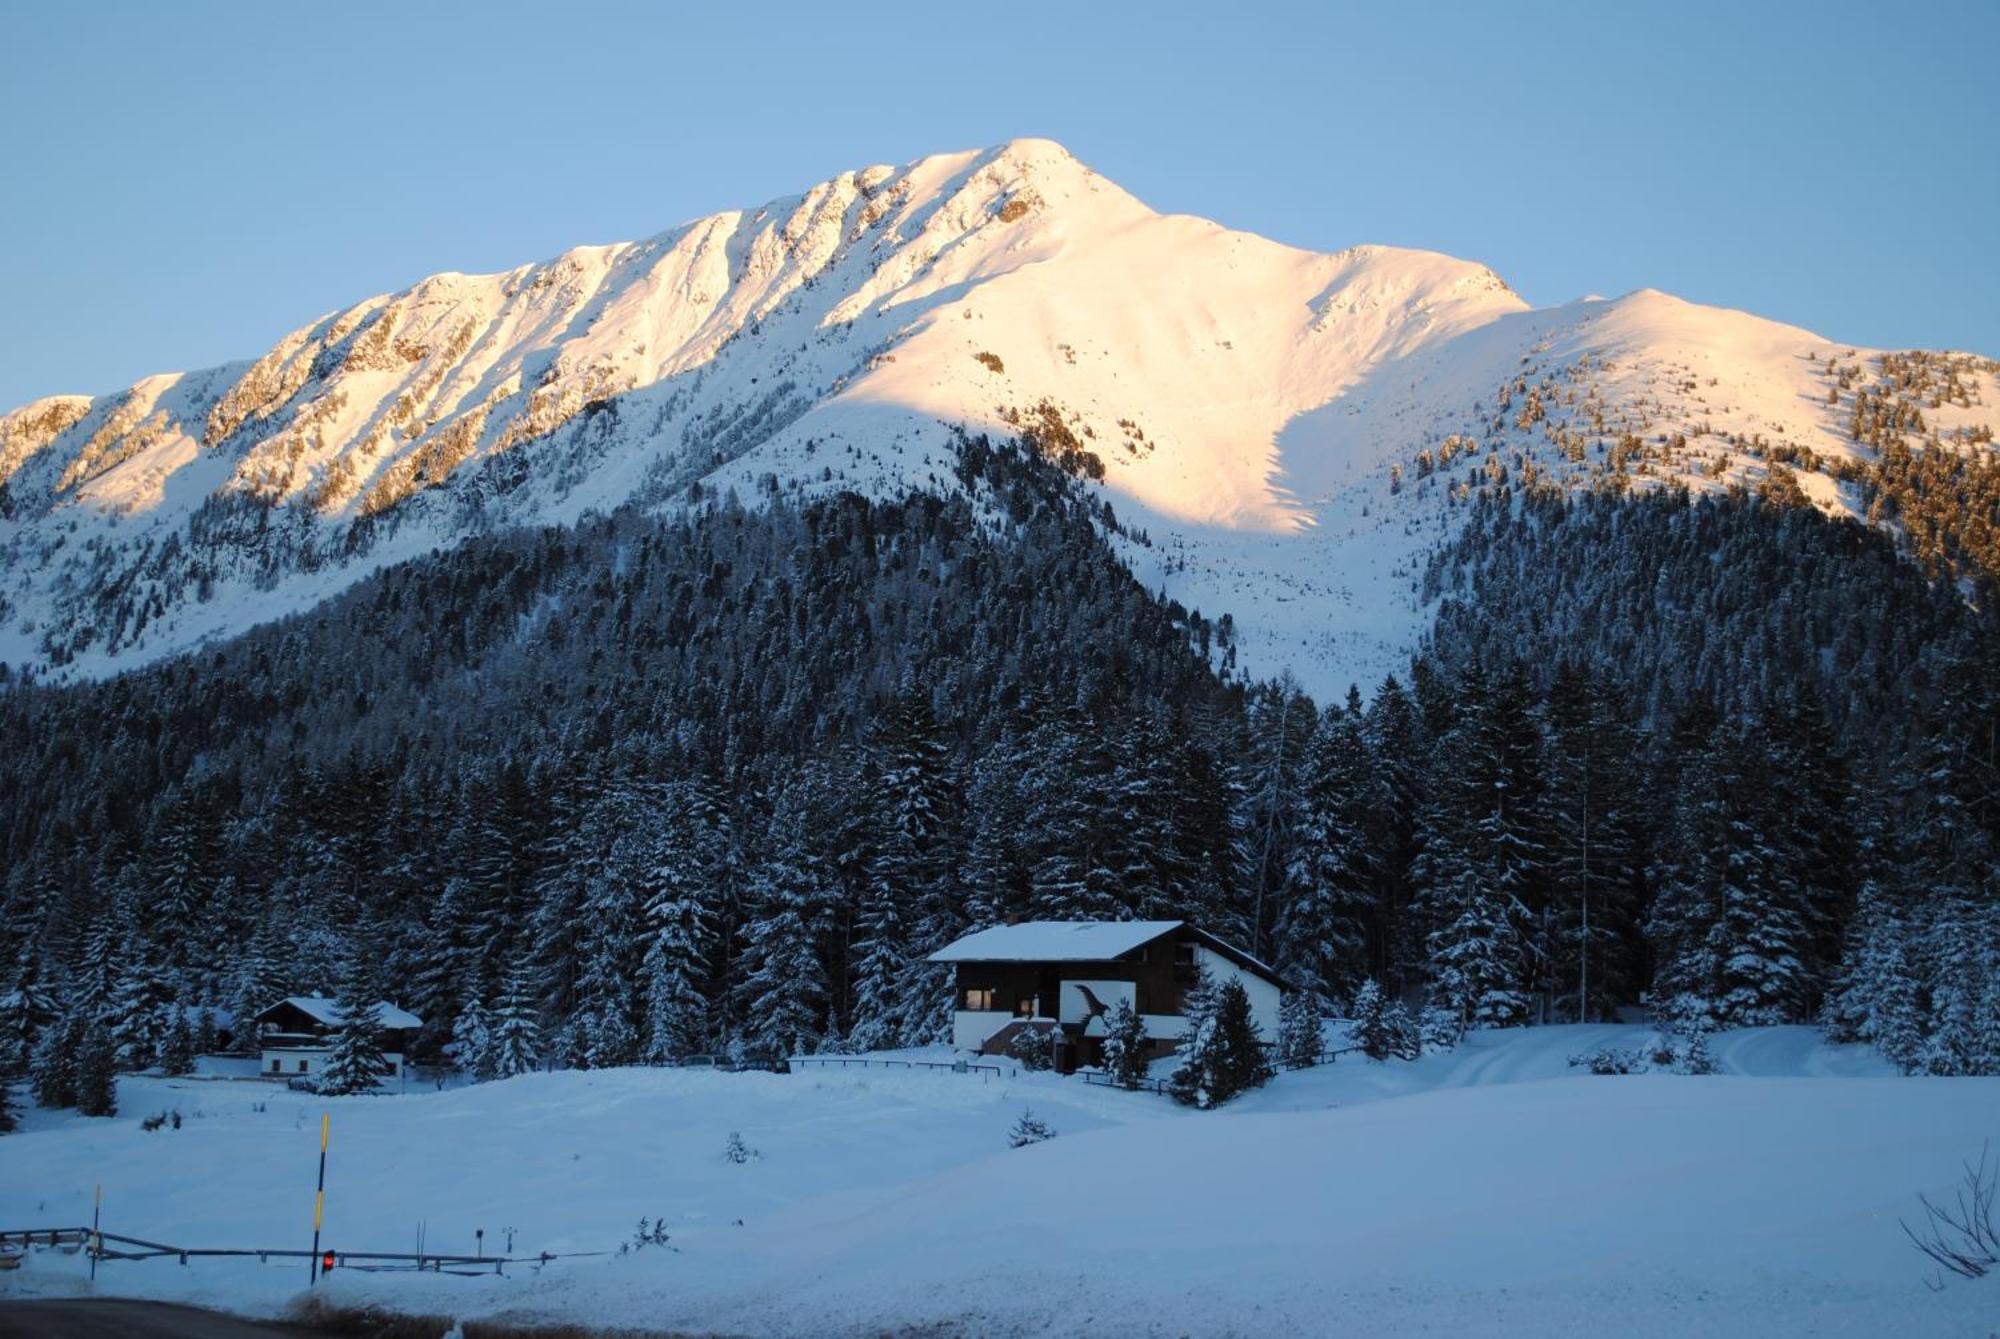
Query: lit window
[{"x": 979, "y": 999}]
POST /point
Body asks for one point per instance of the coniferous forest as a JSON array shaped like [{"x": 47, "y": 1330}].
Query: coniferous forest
[{"x": 650, "y": 788}]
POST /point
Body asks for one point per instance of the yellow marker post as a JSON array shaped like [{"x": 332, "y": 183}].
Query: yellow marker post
[{"x": 319, "y": 1196}]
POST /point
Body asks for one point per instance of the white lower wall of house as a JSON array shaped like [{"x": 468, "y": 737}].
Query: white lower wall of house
[
  {"x": 970, "y": 1028},
  {"x": 292, "y": 1061}
]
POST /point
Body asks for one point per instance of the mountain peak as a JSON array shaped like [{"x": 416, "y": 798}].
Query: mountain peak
[{"x": 1258, "y": 408}]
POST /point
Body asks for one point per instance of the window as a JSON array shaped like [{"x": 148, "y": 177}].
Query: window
[
  {"x": 277, "y": 1065},
  {"x": 979, "y": 998},
  {"x": 302, "y": 1066},
  {"x": 1183, "y": 955}
]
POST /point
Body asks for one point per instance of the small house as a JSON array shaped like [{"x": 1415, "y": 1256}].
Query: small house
[
  {"x": 1062, "y": 979},
  {"x": 295, "y": 1035}
]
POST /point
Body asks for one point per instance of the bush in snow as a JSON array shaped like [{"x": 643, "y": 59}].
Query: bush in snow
[
  {"x": 1438, "y": 1028},
  {"x": 651, "y": 1232},
  {"x": 1029, "y": 1130},
  {"x": 1033, "y": 1048},
  {"x": 1609, "y": 1060},
  {"x": 737, "y": 1151},
  {"x": 1223, "y": 1056},
  {"x": 1125, "y": 1045},
  {"x": 1382, "y": 1027},
  {"x": 1696, "y": 1059},
  {"x": 1299, "y": 1029},
  {"x": 1963, "y": 1237}
]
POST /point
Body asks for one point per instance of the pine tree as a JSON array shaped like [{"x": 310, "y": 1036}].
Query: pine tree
[
  {"x": 1595, "y": 846},
  {"x": 142, "y": 1010},
  {"x": 177, "y": 1054},
  {"x": 780, "y": 975},
  {"x": 355, "y": 1062},
  {"x": 472, "y": 1039},
  {"x": 53, "y": 1070},
  {"x": 517, "y": 1037},
  {"x": 1222, "y": 1056},
  {"x": 1330, "y": 874},
  {"x": 26, "y": 1009},
  {"x": 1299, "y": 1029},
  {"x": 8, "y": 1120},
  {"x": 1125, "y": 1051},
  {"x": 1382, "y": 1027},
  {"x": 96, "y": 1074},
  {"x": 667, "y": 871}
]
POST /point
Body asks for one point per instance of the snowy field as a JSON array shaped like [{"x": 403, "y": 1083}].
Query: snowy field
[{"x": 1491, "y": 1190}]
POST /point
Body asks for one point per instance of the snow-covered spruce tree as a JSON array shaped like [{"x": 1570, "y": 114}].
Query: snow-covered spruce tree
[
  {"x": 1594, "y": 843},
  {"x": 517, "y": 1036},
  {"x": 1383, "y": 1028},
  {"x": 8, "y": 1120},
  {"x": 142, "y": 1009},
  {"x": 96, "y": 1073},
  {"x": 1299, "y": 1029},
  {"x": 667, "y": 867},
  {"x": 26, "y": 1009},
  {"x": 471, "y": 1046},
  {"x": 1269, "y": 780},
  {"x": 1125, "y": 1052},
  {"x": 53, "y": 1068},
  {"x": 1726, "y": 924},
  {"x": 355, "y": 1063},
  {"x": 1222, "y": 1057},
  {"x": 780, "y": 976},
  {"x": 177, "y": 1053},
  {"x": 922, "y": 802},
  {"x": 1029, "y": 1129},
  {"x": 1330, "y": 870}
]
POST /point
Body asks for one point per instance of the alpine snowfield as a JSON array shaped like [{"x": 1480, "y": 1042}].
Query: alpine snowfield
[
  {"x": 1488, "y": 1190},
  {"x": 1289, "y": 429}
]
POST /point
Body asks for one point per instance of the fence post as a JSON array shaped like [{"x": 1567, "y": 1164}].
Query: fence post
[{"x": 96, "y": 1236}]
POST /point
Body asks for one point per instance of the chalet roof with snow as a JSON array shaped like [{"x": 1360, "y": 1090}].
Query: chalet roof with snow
[
  {"x": 1081, "y": 941},
  {"x": 328, "y": 1012}
]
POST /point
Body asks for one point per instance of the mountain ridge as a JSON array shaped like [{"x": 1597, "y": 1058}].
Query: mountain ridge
[{"x": 1292, "y": 429}]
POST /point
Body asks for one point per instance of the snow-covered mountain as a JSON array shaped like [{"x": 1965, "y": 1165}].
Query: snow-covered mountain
[{"x": 1291, "y": 430}]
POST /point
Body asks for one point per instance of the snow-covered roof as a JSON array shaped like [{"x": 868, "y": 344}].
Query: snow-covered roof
[
  {"x": 328, "y": 1011},
  {"x": 1054, "y": 941}
]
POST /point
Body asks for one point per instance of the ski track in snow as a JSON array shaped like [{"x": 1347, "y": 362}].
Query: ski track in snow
[{"x": 1489, "y": 1190}]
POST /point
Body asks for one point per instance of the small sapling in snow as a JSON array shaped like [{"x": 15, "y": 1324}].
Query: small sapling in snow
[
  {"x": 737, "y": 1151},
  {"x": 1029, "y": 1130}
]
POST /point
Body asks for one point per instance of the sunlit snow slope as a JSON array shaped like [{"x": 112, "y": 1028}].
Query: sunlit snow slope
[{"x": 1288, "y": 429}]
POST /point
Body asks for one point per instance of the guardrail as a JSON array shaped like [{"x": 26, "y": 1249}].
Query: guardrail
[
  {"x": 104, "y": 1246},
  {"x": 1101, "y": 1079},
  {"x": 844, "y": 1061}
]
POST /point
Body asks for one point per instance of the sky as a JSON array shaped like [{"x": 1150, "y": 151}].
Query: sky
[{"x": 180, "y": 185}]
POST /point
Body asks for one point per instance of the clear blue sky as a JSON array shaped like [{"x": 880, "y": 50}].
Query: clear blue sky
[{"x": 182, "y": 183}]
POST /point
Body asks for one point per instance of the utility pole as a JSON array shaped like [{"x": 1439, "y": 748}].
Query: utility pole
[{"x": 319, "y": 1197}]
